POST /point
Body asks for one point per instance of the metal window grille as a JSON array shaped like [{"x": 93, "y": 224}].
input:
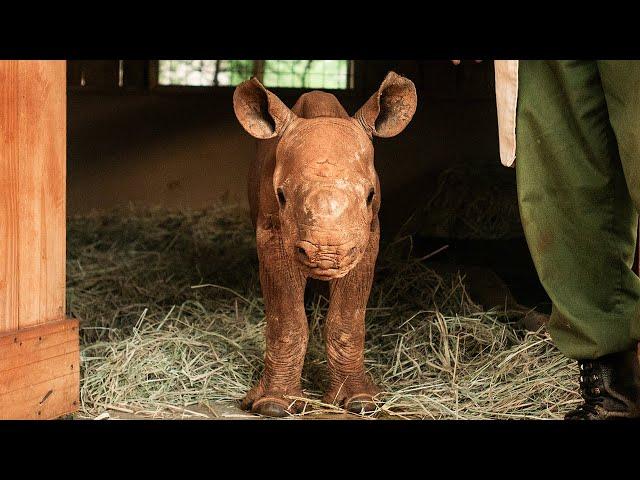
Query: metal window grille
[{"x": 327, "y": 74}]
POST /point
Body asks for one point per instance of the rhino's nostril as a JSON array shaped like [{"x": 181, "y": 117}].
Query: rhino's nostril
[
  {"x": 302, "y": 252},
  {"x": 324, "y": 257}
]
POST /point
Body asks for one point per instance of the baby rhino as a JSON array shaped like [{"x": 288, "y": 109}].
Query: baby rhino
[{"x": 314, "y": 196}]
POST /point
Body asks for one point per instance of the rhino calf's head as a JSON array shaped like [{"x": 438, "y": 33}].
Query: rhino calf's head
[{"x": 324, "y": 180}]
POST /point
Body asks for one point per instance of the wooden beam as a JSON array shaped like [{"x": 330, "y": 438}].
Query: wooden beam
[
  {"x": 9, "y": 171},
  {"x": 42, "y": 183},
  {"x": 33, "y": 201}
]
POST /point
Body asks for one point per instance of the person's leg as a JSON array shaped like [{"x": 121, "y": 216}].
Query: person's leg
[
  {"x": 576, "y": 119},
  {"x": 576, "y": 210},
  {"x": 621, "y": 84}
]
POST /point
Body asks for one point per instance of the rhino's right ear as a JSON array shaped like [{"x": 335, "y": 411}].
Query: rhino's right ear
[{"x": 261, "y": 113}]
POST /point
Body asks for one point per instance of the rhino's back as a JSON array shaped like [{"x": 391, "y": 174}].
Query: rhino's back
[{"x": 319, "y": 104}]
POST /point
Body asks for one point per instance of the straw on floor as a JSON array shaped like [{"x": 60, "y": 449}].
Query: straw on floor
[
  {"x": 469, "y": 203},
  {"x": 172, "y": 317}
]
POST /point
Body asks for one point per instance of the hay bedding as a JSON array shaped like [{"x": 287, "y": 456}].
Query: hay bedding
[
  {"x": 469, "y": 203},
  {"x": 172, "y": 318}
]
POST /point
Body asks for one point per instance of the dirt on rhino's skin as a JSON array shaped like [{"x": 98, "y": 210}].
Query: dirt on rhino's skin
[{"x": 314, "y": 196}]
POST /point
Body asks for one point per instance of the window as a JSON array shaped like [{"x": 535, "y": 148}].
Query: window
[{"x": 326, "y": 74}]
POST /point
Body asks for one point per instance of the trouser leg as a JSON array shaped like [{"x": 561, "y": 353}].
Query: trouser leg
[
  {"x": 621, "y": 85},
  {"x": 576, "y": 206}
]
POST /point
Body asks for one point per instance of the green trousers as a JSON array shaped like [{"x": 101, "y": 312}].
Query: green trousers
[{"x": 578, "y": 174}]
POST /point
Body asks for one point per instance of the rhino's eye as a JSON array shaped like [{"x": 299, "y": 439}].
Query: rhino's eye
[
  {"x": 372, "y": 193},
  {"x": 281, "y": 199}
]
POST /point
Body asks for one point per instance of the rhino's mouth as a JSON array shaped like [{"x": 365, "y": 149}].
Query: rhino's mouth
[
  {"x": 328, "y": 269},
  {"x": 328, "y": 273}
]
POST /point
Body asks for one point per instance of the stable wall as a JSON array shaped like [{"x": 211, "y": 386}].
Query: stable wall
[{"x": 186, "y": 149}]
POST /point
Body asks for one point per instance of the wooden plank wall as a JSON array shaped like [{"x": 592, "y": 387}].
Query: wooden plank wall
[
  {"x": 40, "y": 371},
  {"x": 32, "y": 199}
]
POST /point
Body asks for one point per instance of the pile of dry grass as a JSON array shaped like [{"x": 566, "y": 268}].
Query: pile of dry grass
[
  {"x": 172, "y": 317},
  {"x": 468, "y": 203}
]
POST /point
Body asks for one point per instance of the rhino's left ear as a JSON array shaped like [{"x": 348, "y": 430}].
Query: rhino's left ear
[{"x": 391, "y": 108}]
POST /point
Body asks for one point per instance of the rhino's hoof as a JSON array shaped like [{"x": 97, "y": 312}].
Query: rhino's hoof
[
  {"x": 269, "y": 408},
  {"x": 360, "y": 404}
]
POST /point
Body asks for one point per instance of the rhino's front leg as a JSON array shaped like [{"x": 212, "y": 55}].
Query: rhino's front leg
[
  {"x": 286, "y": 332},
  {"x": 344, "y": 335}
]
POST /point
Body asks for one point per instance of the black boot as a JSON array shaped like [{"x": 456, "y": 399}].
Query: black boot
[{"x": 610, "y": 387}]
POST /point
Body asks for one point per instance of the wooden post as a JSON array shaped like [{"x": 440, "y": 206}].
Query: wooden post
[{"x": 39, "y": 348}]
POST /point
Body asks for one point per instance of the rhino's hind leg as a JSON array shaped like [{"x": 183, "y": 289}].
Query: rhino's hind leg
[
  {"x": 286, "y": 336},
  {"x": 350, "y": 386}
]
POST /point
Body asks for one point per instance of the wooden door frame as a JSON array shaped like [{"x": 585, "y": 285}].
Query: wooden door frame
[{"x": 39, "y": 347}]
